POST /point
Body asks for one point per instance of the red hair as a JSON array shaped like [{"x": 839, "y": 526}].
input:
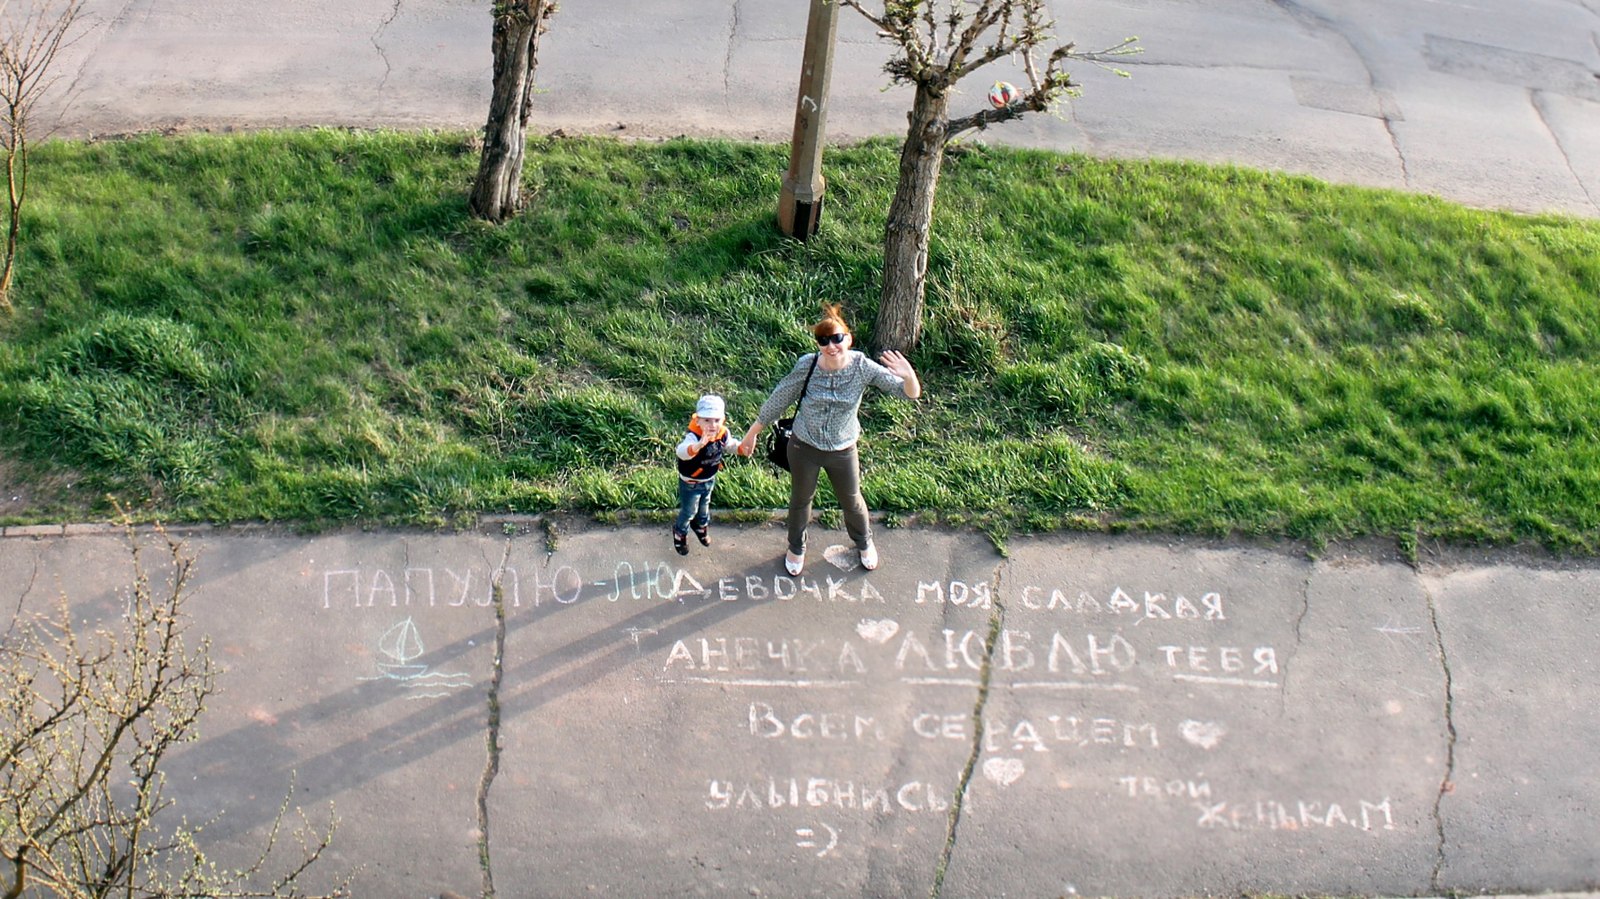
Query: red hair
[{"x": 832, "y": 322}]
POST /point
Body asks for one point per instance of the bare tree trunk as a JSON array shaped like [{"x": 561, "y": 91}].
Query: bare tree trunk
[
  {"x": 497, "y": 192},
  {"x": 905, "y": 245},
  {"x": 16, "y": 153}
]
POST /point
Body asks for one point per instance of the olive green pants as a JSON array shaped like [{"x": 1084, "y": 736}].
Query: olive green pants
[{"x": 844, "y": 473}]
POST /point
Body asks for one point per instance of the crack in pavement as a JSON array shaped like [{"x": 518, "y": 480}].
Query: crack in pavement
[
  {"x": 394, "y": 13},
  {"x": 1305, "y": 609},
  {"x": 16, "y": 616},
  {"x": 996, "y": 618},
  {"x": 1535, "y": 98},
  {"x": 491, "y": 765},
  {"x": 552, "y": 539},
  {"x": 1208, "y": 66},
  {"x": 122, "y": 14},
  {"x": 1315, "y": 21},
  {"x": 727, "y": 58},
  {"x": 1446, "y": 783}
]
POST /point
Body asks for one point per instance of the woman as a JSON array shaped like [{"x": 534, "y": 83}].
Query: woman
[{"x": 826, "y": 428}]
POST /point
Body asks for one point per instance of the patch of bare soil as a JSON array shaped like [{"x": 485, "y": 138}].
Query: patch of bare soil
[
  {"x": 27, "y": 495},
  {"x": 13, "y": 492}
]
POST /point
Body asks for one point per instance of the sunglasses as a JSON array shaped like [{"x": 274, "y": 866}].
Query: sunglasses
[{"x": 832, "y": 338}]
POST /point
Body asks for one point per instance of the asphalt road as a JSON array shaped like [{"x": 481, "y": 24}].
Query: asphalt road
[
  {"x": 1490, "y": 102},
  {"x": 1158, "y": 717}
]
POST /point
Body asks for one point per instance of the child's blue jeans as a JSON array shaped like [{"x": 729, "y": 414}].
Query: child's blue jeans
[{"x": 694, "y": 505}]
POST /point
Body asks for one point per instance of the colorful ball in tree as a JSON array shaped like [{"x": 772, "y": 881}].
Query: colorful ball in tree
[{"x": 1004, "y": 94}]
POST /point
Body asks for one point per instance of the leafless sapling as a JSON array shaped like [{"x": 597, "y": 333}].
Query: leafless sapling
[{"x": 88, "y": 721}]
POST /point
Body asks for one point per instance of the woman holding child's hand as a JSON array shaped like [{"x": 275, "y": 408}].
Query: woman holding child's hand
[{"x": 826, "y": 427}]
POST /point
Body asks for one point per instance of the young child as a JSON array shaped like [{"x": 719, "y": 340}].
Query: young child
[{"x": 699, "y": 459}]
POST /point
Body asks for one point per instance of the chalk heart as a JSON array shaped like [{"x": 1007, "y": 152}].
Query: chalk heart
[
  {"x": 844, "y": 558},
  {"x": 1204, "y": 734},
  {"x": 1004, "y": 772},
  {"x": 877, "y": 630}
]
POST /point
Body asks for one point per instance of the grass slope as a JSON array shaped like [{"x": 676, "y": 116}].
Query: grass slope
[{"x": 307, "y": 327}]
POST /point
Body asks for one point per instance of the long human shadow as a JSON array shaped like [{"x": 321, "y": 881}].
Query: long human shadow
[{"x": 241, "y": 776}]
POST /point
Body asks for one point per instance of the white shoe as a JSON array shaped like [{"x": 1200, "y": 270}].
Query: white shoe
[
  {"x": 793, "y": 563},
  {"x": 869, "y": 557}
]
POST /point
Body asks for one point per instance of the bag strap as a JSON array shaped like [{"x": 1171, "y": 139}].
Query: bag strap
[{"x": 807, "y": 385}]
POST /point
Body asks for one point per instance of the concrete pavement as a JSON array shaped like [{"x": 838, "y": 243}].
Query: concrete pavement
[
  {"x": 1489, "y": 102},
  {"x": 1161, "y": 717}
]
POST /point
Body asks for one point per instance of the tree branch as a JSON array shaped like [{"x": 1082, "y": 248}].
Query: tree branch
[
  {"x": 985, "y": 117},
  {"x": 877, "y": 22}
]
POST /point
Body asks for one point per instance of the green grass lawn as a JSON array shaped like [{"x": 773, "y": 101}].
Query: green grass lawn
[{"x": 307, "y": 327}]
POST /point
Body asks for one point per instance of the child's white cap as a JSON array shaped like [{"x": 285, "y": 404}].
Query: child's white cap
[{"x": 710, "y": 406}]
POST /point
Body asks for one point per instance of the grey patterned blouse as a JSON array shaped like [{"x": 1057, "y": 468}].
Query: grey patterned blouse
[{"x": 827, "y": 417}]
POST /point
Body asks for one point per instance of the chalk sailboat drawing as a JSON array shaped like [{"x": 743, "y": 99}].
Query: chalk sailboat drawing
[
  {"x": 401, "y": 644},
  {"x": 399, "y": 647}
]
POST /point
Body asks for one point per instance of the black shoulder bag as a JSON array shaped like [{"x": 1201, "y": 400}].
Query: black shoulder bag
[{"x": 778, "y": 452}]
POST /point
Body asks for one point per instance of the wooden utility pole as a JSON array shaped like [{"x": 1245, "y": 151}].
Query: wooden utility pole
[{"x": 800, "y": 203}]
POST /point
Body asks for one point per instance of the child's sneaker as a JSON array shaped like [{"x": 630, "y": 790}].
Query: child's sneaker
[
  {"x": 794, "y": 564},
  {"x": 680, "y": 542},
  {"x": 704, "y": 533}
]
